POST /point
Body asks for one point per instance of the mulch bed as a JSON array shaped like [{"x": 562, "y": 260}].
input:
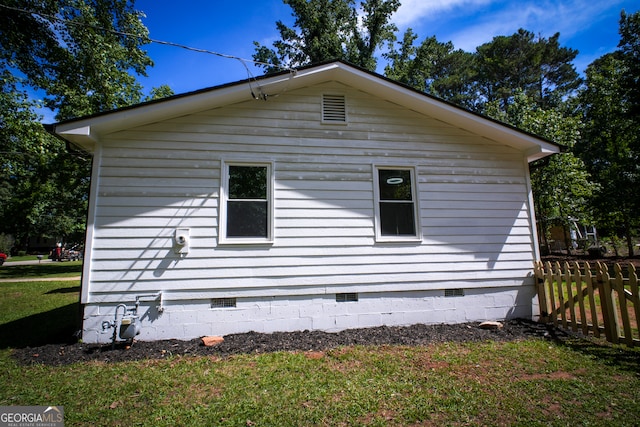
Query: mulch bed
[{"x": 254, "y": 343}]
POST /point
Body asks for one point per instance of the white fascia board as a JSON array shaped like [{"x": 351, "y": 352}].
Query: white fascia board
[
  {"x": 537, "y": 153},
  {"x": 85, "y": 132},
  {"x": 79, "y": 135},
  {"x": 89, "y": 130}
]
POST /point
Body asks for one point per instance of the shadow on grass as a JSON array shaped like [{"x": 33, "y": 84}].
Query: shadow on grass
[
  {"x": 614, "y": 355},
  {"x": 64, "y": 290},
  {"x": 9, "y": 271},
  {"x": 56, "y": 326}
]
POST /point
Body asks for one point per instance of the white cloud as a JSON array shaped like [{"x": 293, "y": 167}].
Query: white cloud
[
  {"x": 470, "y": 23},
  {"x": 413, "y": 11}
]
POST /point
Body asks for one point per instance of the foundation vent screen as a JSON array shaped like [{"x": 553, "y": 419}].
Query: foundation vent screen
[
  {"x": 223, "y": 302},
  {"x": 348, "y": 297},
  {"x": 453, "y": 293}
]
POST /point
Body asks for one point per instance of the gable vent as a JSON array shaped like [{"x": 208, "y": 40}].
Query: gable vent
[{"x": 334, "y": 109}]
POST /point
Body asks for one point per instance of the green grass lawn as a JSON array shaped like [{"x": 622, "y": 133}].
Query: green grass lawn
[
  {"x": 43, "y": 270},
  {"x": 533, "y": 382},
  {"x": 15, "y": 258}
]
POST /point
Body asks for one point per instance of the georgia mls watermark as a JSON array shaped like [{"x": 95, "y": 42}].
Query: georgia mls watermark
[{"x": 31, "y": 416}]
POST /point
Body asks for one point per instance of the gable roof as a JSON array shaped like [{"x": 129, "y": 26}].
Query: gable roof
[{"x": 86, "y": 131}]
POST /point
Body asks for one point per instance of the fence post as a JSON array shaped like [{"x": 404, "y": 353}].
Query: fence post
[
  {"x": 553, "y": 311},
  {"x": 570, "y": 300},
  {"x": 577, "y": 277},
  {"x": 618, "y": 285},
  {"x": 609, "y": 314},
  {"x": 561, "y": 305},
  {"x": 542, "y": 294},
  {"x": 633, "y": 286},
  {"x": 589, "y": 279}
]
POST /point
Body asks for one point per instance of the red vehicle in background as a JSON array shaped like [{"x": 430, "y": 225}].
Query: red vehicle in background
[
  {"x": 60, "y": 253},
  {"x": 3, "y": 257}
]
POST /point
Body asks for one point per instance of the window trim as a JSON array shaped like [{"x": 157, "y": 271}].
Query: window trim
[
  {"x": 224, "y": 198},
  {"x": 379, "y": 237}
]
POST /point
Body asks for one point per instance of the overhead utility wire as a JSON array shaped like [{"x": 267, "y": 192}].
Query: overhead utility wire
[{"x": 243, "y": 61}]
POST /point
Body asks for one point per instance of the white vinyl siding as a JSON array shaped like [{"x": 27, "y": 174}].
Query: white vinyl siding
[{"x": 474, "y": 225}]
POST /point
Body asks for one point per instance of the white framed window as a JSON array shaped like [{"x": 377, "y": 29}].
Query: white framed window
[
  {"x": 396, "y": 204},
  {"x": 246, "y": 203}
]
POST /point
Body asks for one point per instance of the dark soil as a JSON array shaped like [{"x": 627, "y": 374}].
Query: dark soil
[{"x": 253, "y": 342}]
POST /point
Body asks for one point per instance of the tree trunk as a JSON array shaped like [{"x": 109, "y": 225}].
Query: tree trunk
[{"x": 627, "y": 233}]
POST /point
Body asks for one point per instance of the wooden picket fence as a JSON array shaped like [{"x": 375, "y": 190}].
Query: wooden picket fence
[{"x": 593, "y": 299}]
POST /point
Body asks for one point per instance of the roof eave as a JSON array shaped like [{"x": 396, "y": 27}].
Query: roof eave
[
  {"x": 452, "y": 114},
  {"x": 86, "y": 131}
]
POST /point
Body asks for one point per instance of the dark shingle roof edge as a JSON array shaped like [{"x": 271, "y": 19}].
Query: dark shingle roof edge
[{"x": 51, "y": 127}]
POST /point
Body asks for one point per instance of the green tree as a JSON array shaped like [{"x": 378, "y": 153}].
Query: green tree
[
  {"x": 76, "y": 53},
  {"x": 330, "y": 29},
  {"x": 495, "y": 72},
  {"x": 610, "y": 146},
  {"x": 562, "y": 188},
  {"x": 162, "y": 91},
  {"x": 629, "y": 48},
  {"x": 537, "y": 66},
  {"x": 41, "y": 191},
  {"x": 434, "y": 67}
]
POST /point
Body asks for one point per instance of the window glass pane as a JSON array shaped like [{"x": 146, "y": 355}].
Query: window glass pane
[
  {"x": 397, "y": 219},
  {"x": 247, "y": 218},
  {"x": 394, "y": 184},
  {"x": 248, "y": 182}
]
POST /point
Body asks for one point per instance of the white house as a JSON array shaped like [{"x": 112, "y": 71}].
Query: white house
[{"x": 325, "y": 198}]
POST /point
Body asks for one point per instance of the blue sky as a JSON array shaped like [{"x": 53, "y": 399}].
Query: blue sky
[{"x": 590, "y": 26}]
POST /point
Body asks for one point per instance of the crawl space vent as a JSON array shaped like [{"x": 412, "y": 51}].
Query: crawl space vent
[
  {"x": 334, "y": 109},
  {"x": 348, "y": 297},
  {"x": 223, "y": 302},
  {"x": 453, "y": 293}
]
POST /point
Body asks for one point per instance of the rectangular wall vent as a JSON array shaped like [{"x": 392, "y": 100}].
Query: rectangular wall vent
[
  {"x": 334, "y": 109},
  {"x": 348, "y": 297},
  {"x": 223, "y": 302},
  {"x": 453, "y": 293}
]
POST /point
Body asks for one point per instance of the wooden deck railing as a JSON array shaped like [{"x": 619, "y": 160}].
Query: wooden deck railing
[{"x": 594, "y": 299}]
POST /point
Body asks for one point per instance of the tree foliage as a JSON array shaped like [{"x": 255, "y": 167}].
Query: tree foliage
[
  {"x": 562, "y": 187},
  {"x": 611, "y": 143},
  {"x": 629, "y": 48},
  {"x": 496, "y": 71},
  {"x": 521, "y": 62},
  {"x": 162, "y": 91},
  {"x": 25, "y": 149},
  {"x": 330, "y": 29},
  {"x": 76, "y": 54},
  {"x": 434, "y": 67}
]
